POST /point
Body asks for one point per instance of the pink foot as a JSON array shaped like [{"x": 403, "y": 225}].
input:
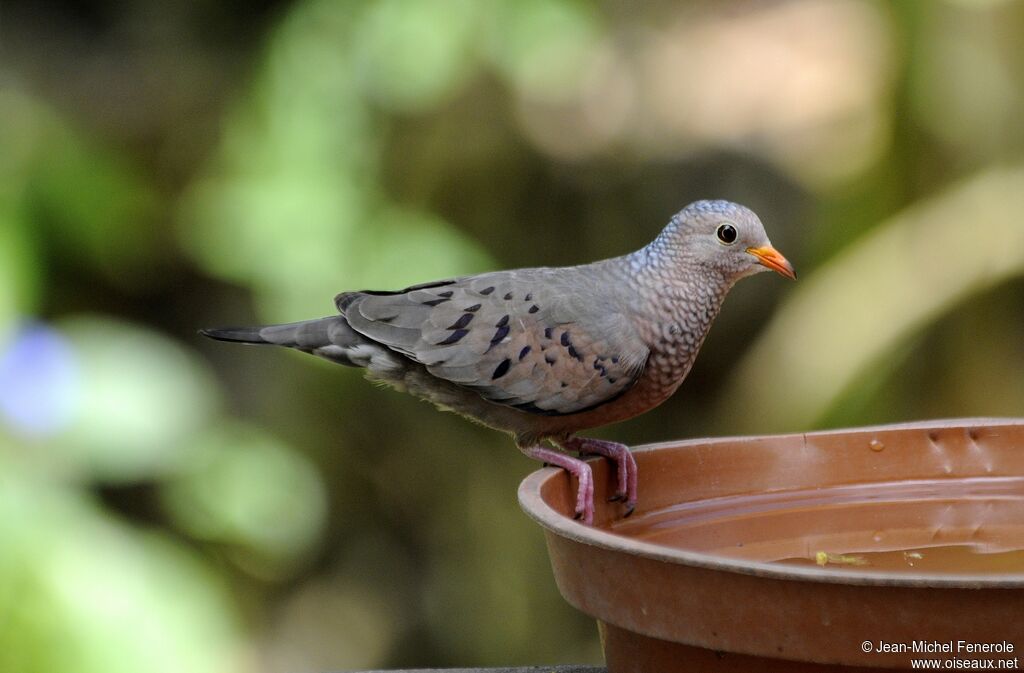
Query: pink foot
[
  {"x": 575, "y": 467},
  {"x": 624, "y": 462}
]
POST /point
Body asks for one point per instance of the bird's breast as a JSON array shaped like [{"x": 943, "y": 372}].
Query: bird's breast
[{"x": 674, "y": 331}]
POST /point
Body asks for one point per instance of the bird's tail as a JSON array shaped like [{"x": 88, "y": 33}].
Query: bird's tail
[
  {"x": 329, "y": 337},
  {"x": 242, "y": 335}
]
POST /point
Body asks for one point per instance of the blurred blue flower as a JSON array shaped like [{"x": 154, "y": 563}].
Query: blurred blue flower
[{"x": 38, "y": 382}]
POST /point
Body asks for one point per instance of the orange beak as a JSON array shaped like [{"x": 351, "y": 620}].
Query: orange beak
[{"x": 770, "y": 257}]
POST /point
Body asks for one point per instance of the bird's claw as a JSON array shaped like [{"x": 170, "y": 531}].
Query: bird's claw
[
  {"x": 585, "y": 478},
  {"x": 625, "y": 466},
  {"x": 584, "y": 513}
]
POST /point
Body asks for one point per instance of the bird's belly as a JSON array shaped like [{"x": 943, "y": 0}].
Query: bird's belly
[{"x": 648, "y": 393}]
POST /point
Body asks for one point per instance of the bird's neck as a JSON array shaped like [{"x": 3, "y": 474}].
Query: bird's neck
[
  {"x": 669, "y": 272},
  {"x": 681, "y": 298}
]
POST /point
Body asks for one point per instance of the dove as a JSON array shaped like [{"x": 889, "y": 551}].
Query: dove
[{"x": 544, "y": 353}]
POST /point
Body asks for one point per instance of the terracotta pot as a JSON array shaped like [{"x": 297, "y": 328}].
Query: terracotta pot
[{"x": 920, "y": 528}]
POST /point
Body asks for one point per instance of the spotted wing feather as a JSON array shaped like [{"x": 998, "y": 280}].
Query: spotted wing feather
[{"x": 522, "y": 340}]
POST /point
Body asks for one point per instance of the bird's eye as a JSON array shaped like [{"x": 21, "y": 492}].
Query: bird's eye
[{"x": 726, "y": 234}]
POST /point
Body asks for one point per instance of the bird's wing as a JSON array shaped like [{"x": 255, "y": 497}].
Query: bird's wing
[{"x": 520, "y": 338}]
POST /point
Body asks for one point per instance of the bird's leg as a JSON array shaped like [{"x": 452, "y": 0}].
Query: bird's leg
[
  {"x": 575, "y": 467},
  {"x": 619, "y": 454}
]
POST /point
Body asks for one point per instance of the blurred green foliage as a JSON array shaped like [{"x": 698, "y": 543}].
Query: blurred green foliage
[
  {"x": 172, "y": 504},
  {"x": 82, "y": 590}
]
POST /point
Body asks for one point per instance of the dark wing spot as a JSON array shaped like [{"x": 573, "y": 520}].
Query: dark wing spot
[
  {"x": 487, "y": 290},
  {"x": 499, "y": 334},
  {"x": 462, "y": 321},
  {"x": 442, "y": 297},
  {"x": 523, "y": 353},
  {"x": 611, "y": 379},
  {"x": 547, "y": 332},
  {"x": 453, "y": 337},
  {"x": 567, "y": 342},
  {"x": 550, "y": 359},
  {"x": 502, "y": 322},
  {"x": 615, "y": 360},
  {"x": 508, "y": 295},
  {"x": 564, "y": 384},
  {"x": 472, "y": 309},
  {"x": 534, "y": 308},
  {"x": 501, "y": 369},
  {"x": 528, "y": 297}
]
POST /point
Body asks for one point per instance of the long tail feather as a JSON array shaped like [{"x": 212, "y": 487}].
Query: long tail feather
[
  {"x": 245, "y": 335},
  {"x": 331, "y": 338}
]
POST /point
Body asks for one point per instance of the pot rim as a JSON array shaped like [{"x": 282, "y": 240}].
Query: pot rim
[{"x": 553, "y": 522}]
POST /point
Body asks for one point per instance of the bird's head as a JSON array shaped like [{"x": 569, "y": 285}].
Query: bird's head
[{"x": 725, "y": 237}]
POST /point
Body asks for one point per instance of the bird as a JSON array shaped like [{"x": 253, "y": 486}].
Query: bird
[{"x": 544, "y": 353}]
